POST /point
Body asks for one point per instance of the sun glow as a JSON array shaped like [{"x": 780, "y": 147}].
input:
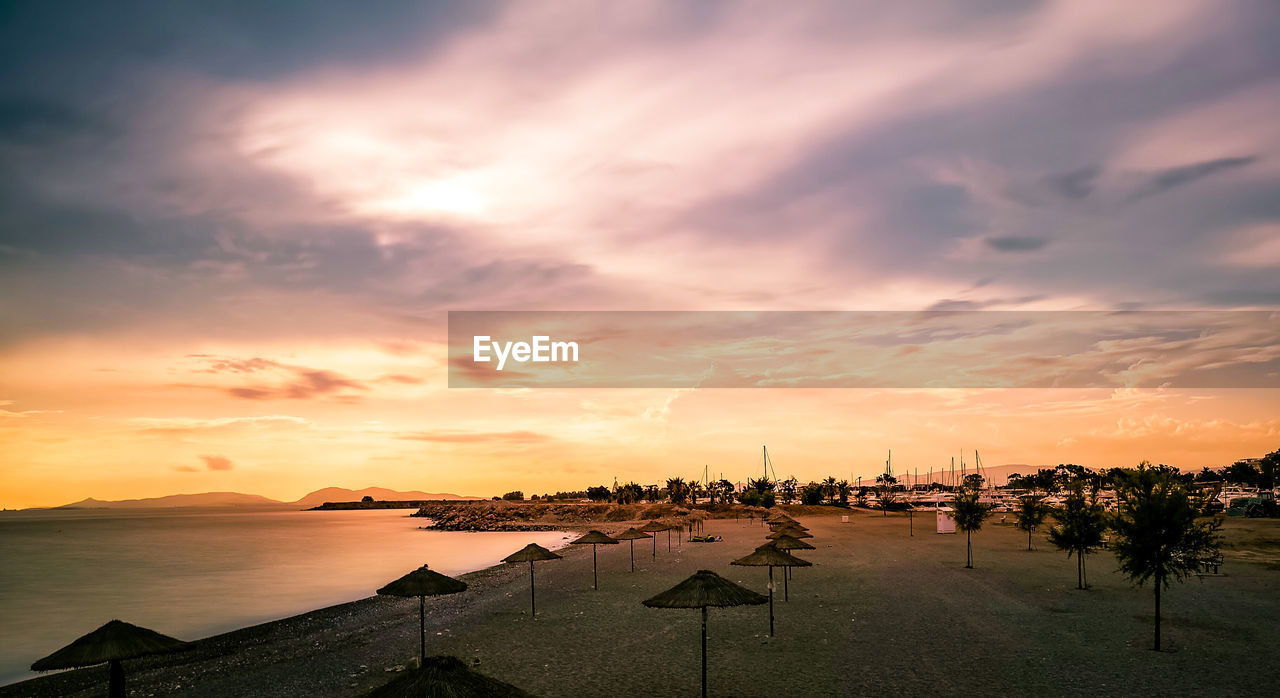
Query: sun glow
[{"x": 453, "y": 197}]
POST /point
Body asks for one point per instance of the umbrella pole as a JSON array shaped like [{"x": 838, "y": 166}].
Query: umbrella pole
[
  {"x": 633, "y": 555},
  {"x": 655, "y": 547},
  {"x": 533, "y": 604},
  {"x": 115, "y": 684},
  {"x": 770, "y": 600},
  {"x": 595, "y": 576},
  {"x": 704, "y": 652},
  {"x": 422, "y": 630},
  {"x": 786, "y": 583}
]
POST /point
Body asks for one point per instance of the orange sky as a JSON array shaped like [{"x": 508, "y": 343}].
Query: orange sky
[{"x": 227, "y": 253}]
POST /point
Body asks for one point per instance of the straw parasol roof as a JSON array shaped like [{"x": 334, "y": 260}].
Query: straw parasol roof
[
  {"x": 788, "y": 531},
  {"x": 769, "y": 556},
  {"x": 445, "y": 677},
  {"x": 785, "y": 542},
  {"x": 632, "y": 534},
  {"x": 705, "y": 589},
  {"x": 114, "y": 641},
  {"x": 594, "y": 537},
  {"x": 423, "y": 582},
  {"x": 654, "y": 527},
  {"x": 531, "y": 553}
]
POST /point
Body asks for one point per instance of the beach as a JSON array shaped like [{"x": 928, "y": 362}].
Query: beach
[{"x": 880, "y": 611}]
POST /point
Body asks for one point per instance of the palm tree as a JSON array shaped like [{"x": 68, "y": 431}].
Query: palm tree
[
  {"x": 842, "y": 492},
  {"x": 886, "y": 496},
  {"x": 969, "y": 515},
  {"x": 829, "y": 489},
  {"x": 1158, "y": 537},
  {"x": 1032, "y": 512},
  {"x": 677, "y": 490},
  {"x": 1081, "y": 524},
  {"x": 787, "y": 489}
]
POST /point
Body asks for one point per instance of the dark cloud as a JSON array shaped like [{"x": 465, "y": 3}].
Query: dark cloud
[
  {"x": 1177, "y": 176},
  {"x": 1015, "y": 243},
  {"x": 224, "y": 365},
  {"x": 216, "y": 462},
  {"x": 303, "y": 384},
  {"x": 1076, "y": 184}
]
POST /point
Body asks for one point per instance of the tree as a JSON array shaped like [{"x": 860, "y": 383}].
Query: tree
[
  {"x": 598, "y": 494},
  {"x": 885, "y": 496},
  {"x": 629, "y": 493},
  {"x": 1081, "y": 524},
  {"x": 829, "y": 489},
  {"x": 969, "y": 515},
  {"x": 677, "y": 490},
  {"x": 787, "y": 489},
  {"x": 1032, "y": 512},
  {"x": 842, "y": 492},
  {"x": 811, "y": 494},
  {"x": 516, "y": 496},
  {"x": 1158, "y": 537}
]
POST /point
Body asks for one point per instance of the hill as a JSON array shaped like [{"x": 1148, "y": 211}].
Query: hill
[
  {"x": 237, "y": 500},
  {"x": 204, "y": 499},
  {"x": 342, "y": 494}
]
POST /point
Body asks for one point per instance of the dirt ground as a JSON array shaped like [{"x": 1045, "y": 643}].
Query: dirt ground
[{"x": 879, "y": 612}]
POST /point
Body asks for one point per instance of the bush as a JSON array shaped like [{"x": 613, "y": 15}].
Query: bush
[{"x": 516, "y": 496}]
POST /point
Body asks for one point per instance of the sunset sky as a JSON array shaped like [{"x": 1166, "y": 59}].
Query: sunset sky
[{"x": 230, "y": 232}]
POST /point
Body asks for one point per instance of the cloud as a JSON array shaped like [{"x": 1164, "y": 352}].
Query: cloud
[
  {"x": 1015, "y": 243},
  {"x": 216, "y": 462},
  {"x": 477, "y": 437},
  {"x": 189, "y": 425},
  {"x": 1161, "y": 182},
  {"x": 186, "y": 469}
]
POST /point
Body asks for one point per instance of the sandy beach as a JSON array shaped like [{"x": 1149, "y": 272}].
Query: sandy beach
[{"x": 879, "y": 612}]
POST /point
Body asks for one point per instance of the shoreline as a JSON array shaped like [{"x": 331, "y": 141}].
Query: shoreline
[
  {"x": 878, "y": 612},
  {"x": 372, "y": 611}
]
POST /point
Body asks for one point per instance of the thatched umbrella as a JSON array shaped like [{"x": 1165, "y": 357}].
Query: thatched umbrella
[
  {"x": 786, "y": 544},
  {"x": 531, "y": 553},
  {"x": 769, "y": 556},
  {"x": 704, "y": 589},
  {"x": 787, "y": 523},
  {"x": 697, "y": 517},
  {"x": 112, "y": 643},
  {"x": 594, "y": 538},
  {"x": 632, "y": 535},
  {"x": 654, "y": 527},
  {"x": 422, "y": 583},
  {"x": 789, "y": 531},
  {"x": 445, "y": 676}
]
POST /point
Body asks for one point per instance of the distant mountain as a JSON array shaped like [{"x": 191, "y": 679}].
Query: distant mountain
[
  {"x": 342, "y": 494},
  {"x": 253, "y": 501},
  {"x": 205, "y": 499}
]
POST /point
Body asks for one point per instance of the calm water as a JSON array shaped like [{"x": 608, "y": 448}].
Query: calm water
[{"x": 192, "y": 574}]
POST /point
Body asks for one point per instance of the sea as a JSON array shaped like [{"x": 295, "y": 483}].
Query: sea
[{"x": 195, "y": 573}]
